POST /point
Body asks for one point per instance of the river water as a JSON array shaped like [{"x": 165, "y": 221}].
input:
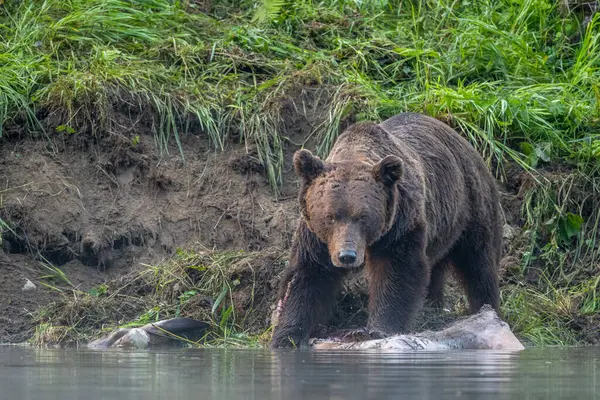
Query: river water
[{"x": 550, "y": 373}]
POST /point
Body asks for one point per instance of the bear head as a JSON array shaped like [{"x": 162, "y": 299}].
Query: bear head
[{"x": 348, "y": 205}]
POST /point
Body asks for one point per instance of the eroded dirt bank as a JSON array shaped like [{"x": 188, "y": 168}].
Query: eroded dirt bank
[{"x": 97, "y": 208}]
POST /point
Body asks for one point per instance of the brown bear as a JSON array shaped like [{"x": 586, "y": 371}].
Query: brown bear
[{"x": 406, "y": 198}]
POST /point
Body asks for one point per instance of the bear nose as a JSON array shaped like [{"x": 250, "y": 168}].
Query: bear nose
[{"x": 347, "y": 256}]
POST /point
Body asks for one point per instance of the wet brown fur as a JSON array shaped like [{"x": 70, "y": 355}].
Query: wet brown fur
[{"x": 412, "y": 197}]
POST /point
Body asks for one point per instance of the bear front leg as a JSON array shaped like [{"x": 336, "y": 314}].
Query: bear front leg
[
  {"x": 307, "y": 301},
  {"x": 306, "y": 296},
  {"x": 398, "y": 281}
]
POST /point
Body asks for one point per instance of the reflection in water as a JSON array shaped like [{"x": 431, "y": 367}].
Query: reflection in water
[
  {"x": 256, "y": 374},
  {"x": 386, "y": 374}
]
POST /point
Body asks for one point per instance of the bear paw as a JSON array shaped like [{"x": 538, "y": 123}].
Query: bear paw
[{"x": 359, "y": 335}]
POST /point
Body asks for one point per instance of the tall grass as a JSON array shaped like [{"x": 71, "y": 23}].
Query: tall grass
[{"x": 504, "y": 74}]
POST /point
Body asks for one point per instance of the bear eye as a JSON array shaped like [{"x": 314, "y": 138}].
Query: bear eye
[
  {"x": 363, "y": 218},
  {"x": 330, "y": 218}
]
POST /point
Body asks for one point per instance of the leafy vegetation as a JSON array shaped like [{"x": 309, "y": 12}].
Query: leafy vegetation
[{"x": 518, "y": 78}]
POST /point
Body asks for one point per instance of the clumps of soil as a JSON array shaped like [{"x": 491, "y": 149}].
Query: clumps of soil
[{"x": 85, "y": 206}]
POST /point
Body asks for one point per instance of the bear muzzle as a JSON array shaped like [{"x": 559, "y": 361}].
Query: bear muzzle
[{"x": 347, "y": 246}]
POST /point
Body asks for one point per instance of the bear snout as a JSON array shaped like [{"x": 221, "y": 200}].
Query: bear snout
[
  {"x": 347, "y": 257},
  {"x": 346, "y": 245}
]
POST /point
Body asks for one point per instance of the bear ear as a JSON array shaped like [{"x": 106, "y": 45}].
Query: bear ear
[
  {"x": 307, "y": 166},
  {"x": 388, "y": 170}
]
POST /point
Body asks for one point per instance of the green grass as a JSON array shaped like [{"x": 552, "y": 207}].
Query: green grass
[
  {"x": 553, "y": 316},
  {"x": 519, "y": 79},
  {"x": 3, "y": 227}
]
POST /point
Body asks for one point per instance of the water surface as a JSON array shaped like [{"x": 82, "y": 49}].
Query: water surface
[{"x": 569, "y": 373}]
